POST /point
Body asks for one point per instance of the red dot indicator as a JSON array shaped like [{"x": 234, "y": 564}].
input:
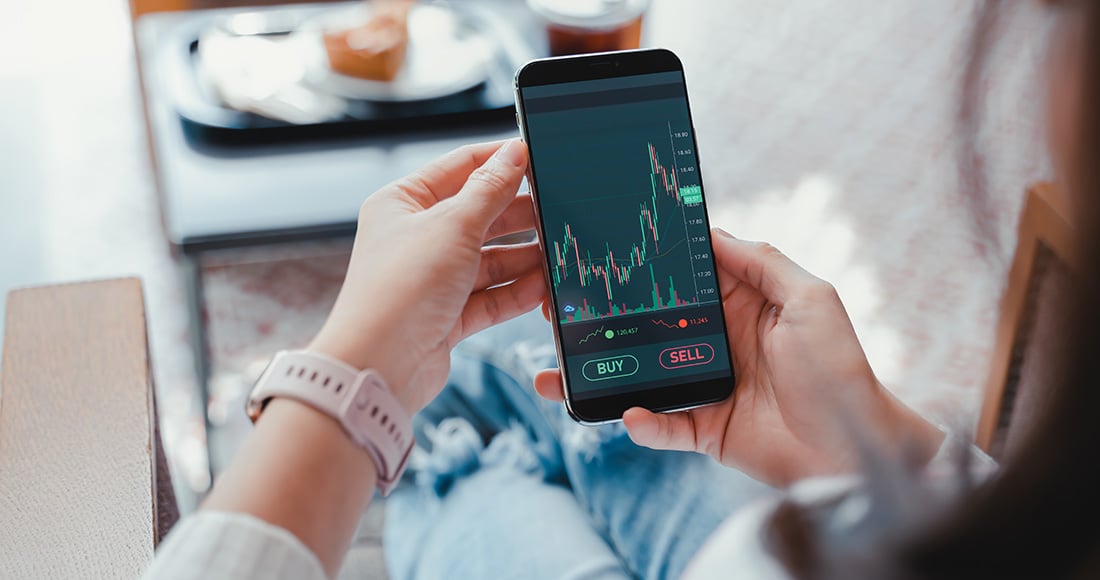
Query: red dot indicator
[{"x": 683, "y": 323}]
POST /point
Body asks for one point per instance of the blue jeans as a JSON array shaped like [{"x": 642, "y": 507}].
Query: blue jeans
[{"x": 505, "y": 485}]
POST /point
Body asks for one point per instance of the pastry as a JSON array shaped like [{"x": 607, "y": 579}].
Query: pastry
[{"x": 374, "y": 50}]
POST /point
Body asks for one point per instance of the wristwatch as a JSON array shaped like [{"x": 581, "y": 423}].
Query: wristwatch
[{"x": 359, "y": 400}]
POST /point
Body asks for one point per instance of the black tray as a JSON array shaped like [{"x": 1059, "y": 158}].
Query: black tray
[{"x": 206, "y": 119}]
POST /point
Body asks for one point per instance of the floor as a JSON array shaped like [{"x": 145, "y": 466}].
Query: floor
[
  {"x": 77, "y": 198},
  {"x": 827, "y": 130}
]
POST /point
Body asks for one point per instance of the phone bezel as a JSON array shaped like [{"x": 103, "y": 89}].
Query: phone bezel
[{"x": 547, "y": 71}]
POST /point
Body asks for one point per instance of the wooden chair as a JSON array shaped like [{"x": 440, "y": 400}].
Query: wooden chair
[
  {"x": 84, "y": 487},
  {"x": 1027, "y": 333}
]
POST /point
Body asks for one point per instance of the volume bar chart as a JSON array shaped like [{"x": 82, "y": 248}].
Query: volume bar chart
[{"x": 590, "y": 312}]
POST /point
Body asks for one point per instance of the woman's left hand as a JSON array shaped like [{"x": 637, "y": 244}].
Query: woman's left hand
[{"x": 419, "y": 279}]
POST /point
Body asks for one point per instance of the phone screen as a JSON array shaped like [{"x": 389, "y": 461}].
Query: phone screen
[{"x": 627, "y": 240}]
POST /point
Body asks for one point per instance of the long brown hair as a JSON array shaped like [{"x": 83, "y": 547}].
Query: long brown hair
[{"x": 1039, "y": 516}]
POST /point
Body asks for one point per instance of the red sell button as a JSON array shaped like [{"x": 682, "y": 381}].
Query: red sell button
[{"x": 692, "y": 355}]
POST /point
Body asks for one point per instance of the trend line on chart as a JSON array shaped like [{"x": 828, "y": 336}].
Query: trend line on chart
[
  {"x": 681, "y": 324},
  {"x": 616, "y": 272},
  {"x": 594, "y": 333}
]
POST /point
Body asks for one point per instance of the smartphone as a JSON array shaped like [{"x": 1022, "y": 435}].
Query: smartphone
[{"x": 622, "y": 221}]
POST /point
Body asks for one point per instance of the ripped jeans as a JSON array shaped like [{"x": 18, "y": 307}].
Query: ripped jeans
[{"x": 505, "y": 485}]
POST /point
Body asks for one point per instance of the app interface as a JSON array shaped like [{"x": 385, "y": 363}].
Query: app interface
[{"x": 626, "y": 234}]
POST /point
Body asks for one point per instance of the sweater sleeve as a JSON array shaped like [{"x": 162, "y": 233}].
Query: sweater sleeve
[
  {"x": 737, "y": 547},
  {"x": 212, "y": 545}
]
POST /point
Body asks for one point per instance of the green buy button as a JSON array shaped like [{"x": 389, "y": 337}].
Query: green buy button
[{"x": 613, "y": 367}]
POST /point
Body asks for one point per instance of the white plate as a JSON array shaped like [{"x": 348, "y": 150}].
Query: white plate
[{"x": 445, "y": 55}]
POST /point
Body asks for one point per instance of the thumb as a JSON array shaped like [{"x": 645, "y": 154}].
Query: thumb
[
  {"x": 493, "y": 186},
  {"x": 761, "y": 266},
  {"x": 672, "y": 431}
]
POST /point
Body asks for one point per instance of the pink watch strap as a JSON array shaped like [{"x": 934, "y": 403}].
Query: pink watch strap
[{"x": 360, "y": 400}]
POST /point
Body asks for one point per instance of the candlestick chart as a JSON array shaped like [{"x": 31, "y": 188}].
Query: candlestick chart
[{"x": 626, "y": 226}]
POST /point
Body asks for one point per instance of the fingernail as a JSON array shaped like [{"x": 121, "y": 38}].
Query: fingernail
[
  {"x": 512, "y": 152},
  {"x": 723, "y": 232}
]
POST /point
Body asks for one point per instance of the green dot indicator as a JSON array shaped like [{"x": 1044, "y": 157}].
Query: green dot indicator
[{"x": 609, "y": 334}]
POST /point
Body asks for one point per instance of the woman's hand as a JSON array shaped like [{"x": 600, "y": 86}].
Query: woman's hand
[
  {"x": 805, "y": 395},
  {"x": 419, "y": 280}
]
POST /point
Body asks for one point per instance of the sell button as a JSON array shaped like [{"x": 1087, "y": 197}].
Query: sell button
[
  {"x": 614, "y": 367},
  {"x": 691, "y": 355}
]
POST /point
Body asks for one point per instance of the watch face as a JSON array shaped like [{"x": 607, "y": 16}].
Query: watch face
[{"x": 254, "y": 405}]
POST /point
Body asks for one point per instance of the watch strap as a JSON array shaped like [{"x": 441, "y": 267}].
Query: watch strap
[{"x": 359, "y": 400}]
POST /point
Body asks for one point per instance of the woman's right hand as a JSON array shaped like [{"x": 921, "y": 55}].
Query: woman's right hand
[{"x": 805, "y": 393}]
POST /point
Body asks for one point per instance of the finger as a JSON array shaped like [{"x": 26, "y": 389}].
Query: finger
[
  {"x": 492, "y": 306},
  {"x": 502, "y": 264},
  {"x": 546, "y": 309},
  {"x": 761, "y": 266},
  {"x": 443, "y": 177},
  {"x": 519, "y": 216},
  {"x": 492, "y": 187},
  {"x": 728, "y": 285},
  {"x": 549, "y": 386},
  {"x": 674, "y": 431}
]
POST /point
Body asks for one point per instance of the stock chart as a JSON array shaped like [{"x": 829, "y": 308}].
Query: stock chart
[{"x": 625, "y": 224}]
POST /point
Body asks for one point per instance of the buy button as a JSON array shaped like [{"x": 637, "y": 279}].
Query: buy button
[
  {"x": 687, "y": 356},
  {"x": 613, "y": 367}
]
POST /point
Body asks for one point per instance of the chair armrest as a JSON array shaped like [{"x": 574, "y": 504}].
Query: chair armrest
[
  {"x": 78, "y": 437},
  {"x": 1025, "y": 348}
]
